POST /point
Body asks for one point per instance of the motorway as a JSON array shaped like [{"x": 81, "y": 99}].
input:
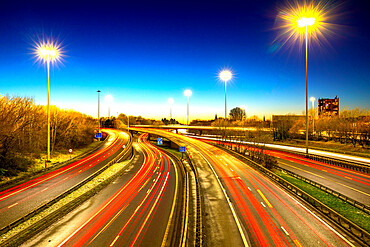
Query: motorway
[
  {"x": 265, "y": 215},
  {"x": 134, "y": 210},
  {"x": 353, "y": 184},
  {"x": 17, "y": 201},
  {"x": 345, "y": 157}
]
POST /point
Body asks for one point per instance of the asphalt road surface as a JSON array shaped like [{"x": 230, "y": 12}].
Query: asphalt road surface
[
  {"x": 265, "y": 214},
  {"x": 19, "y": 200},
  {"x": 134, "y": 210}
]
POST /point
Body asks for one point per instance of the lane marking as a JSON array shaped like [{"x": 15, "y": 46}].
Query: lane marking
[
  {"x": 250, "y": 189},
  {"x": 297, "y": 243},
  {"x": 319, "y": 219},
  {"x": 285, "y": 230},
  {"x": 114, "y": 241},
  {"x": 13, "y": 205},
  {"x": 264, "y": 198},
  {"x": 173, "y": 209},
  {"x": 263, "y": 204}
]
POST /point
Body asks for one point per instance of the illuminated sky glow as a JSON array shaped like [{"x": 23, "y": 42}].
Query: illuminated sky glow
[{"x": 144, "y": 53}]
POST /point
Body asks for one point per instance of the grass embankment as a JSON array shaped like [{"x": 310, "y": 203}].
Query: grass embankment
[
  {"x": 171, "y": 150},
  {"x": 90, "y": 188},
  {"x": 61, "y": 156},
  {"x": 347, "y": 210},
  {"x": 56, "y": 158},
  {"x": 174, "y": 151}
]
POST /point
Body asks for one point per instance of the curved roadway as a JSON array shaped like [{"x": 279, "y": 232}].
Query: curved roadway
[
  {"x": 19, "y": 200},
  {"x": 265, "y": 214},
  {"x": 353, "y": 184},
  {"x": 134, "y": 210}
]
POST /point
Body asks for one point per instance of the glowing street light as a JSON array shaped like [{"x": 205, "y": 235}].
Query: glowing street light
[
  {"x": 225, "y": 76},
  {"x": 171, "y": 101},
  {"x": 109, "y": 99},
  {"x": 312, "y": 99},
  {"x": 297, "y": 22},
  {"x": 188, "y": 93},
  {"x": 48, "y": 52}
]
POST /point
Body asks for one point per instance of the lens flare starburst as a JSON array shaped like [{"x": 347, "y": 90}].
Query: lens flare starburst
[
  {"x": 293, "y": 19},
  {"x": 48, "y": 51}
]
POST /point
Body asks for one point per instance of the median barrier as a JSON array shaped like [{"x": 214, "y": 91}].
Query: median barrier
[{"x": 355, "y": 203}]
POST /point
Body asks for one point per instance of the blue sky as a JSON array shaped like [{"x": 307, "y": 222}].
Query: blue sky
[{"x": 143, "y": 53}]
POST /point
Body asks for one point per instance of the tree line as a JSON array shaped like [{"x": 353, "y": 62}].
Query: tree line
[
  {"x": 351, "y": 126},
  {"x": 23, "y": 132}
]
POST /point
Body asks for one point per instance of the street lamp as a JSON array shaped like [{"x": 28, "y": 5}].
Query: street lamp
[
  {"x": 188, "y": 93},
  {"x": 108, "y": 98},
  {"x": 225, "y": 75},
  {"x": 171, "y": 101},
  {"x": 312, "y": 99},
  {"x": 99, "y": 111},
  {"x": 47, "y": 52},
  {"x": 305, "y": 22}
]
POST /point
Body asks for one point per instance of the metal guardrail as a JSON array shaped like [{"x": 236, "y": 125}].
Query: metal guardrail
[
  {"x": 51, "y": 218},
  {"x": 199, "y": 221},
  {"x": 332, "y": 161},
  {"x": 347, "y": 225},
  {"x": 176, "y": 234},
  {"x": 340, "y": 163},
  {"x": 351, "y": 201}
]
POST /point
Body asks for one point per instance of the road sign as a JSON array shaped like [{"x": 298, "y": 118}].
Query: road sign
[
  {"x": 182, "y": 149},
  {"x": 98, "y": 135},
  {"x": 160, "y": 141}
]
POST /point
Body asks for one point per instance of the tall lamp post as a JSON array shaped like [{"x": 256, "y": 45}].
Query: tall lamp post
[
  {"x": 171, "y": 101},
  {"x": 48, "y": 52},
  {"x": 225, "y": 75},
  {"x": 305, "y": 22},
  {"x": 188, "y": 93},
  {"x": 99, "y": 111},
  {"x": 312, "y": 99}
]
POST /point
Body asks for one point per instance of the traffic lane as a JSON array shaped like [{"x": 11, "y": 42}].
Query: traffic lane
[
  {"x": 263, "y": 228},
  {"x": 63, "y": 228},
  {"x": 127, "y": 216},
  {"x": 353, "y": 184},
  {"x": 283, "y": 215},
  {"x": 22, "y": 200},
  {"x": 220, "y": 226},
  {"x": 355, "y": 176},
  {"x": 145, "y": 219},
  {"x": 348, "y": 187}
]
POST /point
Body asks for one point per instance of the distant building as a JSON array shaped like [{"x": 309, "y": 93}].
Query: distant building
[{"x": 328, "y": 107}]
